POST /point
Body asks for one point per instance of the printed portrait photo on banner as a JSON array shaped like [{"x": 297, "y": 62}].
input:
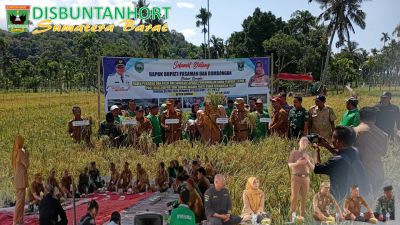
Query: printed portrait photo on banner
[
  {"x": 260, "y": 79},
  {"x": 189, "y": 101}
]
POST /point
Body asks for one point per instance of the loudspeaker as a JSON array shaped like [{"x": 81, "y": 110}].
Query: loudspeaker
[{"x": 148, "y": 218}]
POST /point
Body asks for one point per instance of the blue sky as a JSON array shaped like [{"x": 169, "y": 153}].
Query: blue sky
[{"x": 228, "y": 15}]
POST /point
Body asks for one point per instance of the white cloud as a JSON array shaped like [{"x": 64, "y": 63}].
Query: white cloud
[
  {"x": 158, "y": 0},
  {"x": 185, "y": 5},
  {"x": 188, "y": 33}
]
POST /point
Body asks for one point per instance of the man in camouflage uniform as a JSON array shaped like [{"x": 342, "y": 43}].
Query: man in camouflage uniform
[
  {"x": 173, "y": 132},
  {"x": 241, "y": 131},
  {"x": 385, "y": 204},
  {"x": 322, "y": 118},
  {"x": 111, "y": 129},
  {"x": 321, "y": 203}
]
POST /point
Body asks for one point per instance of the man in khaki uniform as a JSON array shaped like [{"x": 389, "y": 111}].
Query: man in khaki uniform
[
  {"x": 321, "y": 203},
  {"x": 66, "y": 183},
  {"x": 300, "y": 162},
  {"x": 144, "y": 123},
  {"x": 113, "y": 185},
  {"x": 278, "y": 119},
  {"x": 35, "y": 189},
  {"x": 322, "y": 118},
  {"x": 79, "y": 133},
  {"x": 125, "y": 178},
  {"x": 141, "y": 180},
  {"x": 173, "y": 132},
  {"x": 352, "y": 206},
  {"x": 240, "y": 129},
  {"x": 52, "y": 180}
]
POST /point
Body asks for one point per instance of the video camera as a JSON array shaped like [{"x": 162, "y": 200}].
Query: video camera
[{"x": 313, "y": 138}]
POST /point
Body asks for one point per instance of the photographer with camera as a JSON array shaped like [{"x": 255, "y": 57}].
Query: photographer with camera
[{"x": 342, "y": 166}]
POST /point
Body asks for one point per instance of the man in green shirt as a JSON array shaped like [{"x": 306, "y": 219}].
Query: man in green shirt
[
  {"x": 131, "y": 109},
  {"x": 183, "y": 215},
  {"x": 111, "y": 128},
  {"x": 115, "y": 111},
  {"x": 385, "y": 204},
  {"x": 298, "y": 119},
  {"x": 228, "y": 130},
  {"x": 261, "y": 126},
  {"x": 156, "y": 134},
  {"x": 350, "y": 118}
]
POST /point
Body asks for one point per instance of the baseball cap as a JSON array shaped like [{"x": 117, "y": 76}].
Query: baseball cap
[
  {"x": 352, "y": 99},
  {"x": 190, "y": 181},
  {"x": 276, "y": 99},
  {"x": 114, "y": 107},
  {"x": 282, "y": 94},
  {"x": 386, "y": 94},
  {"x": 109, "y": 117},
  {"x": 139, "y": 108},
  {"x": 320, "y": 98}
]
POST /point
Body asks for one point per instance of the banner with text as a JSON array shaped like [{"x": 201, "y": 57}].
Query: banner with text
[{"x": 151, "y": 81}]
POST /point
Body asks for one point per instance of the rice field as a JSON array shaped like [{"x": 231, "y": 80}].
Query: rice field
[{"x": 41, "y": 119}]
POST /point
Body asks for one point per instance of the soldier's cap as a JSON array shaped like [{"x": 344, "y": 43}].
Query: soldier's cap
[
  {"x": 352, "y": 99},
  {"x": 259, "y": 101},
  {"x": 386, "y": 94},
  {"x": 387, "y": 188},
  {"x": 276, "y": 99},
  {"x": 120, "y": 63},
  {"x": 139, "y": 108},
  {"x": 110, "y": 117},
  {"x": 326, "y": 184},
  {"x": 114, "y": 107},
  {"x": 320, "y": 98},
  {"x": 169, "y": 101},
  {"x": 239, "y": 101}
]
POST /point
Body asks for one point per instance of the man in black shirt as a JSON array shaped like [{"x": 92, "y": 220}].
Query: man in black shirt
[
  {"x": 386, "y": 115},
  {"x": 89, "y": 218},
  {"x": 50, "y": 209},
  {"x": 336, "y": 167}
]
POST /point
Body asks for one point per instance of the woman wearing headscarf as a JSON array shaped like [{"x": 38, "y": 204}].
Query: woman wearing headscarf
[
  {"x": 259, "y": 77},
  {"x": 190, "y": 132},
  {"x": 253, "y": 199},
  {"x": 209, "y": 167},
  {"x": 20, "y": 159},
  {"x": 208, "y": 125},
  {"x": 159, "y": 119}
]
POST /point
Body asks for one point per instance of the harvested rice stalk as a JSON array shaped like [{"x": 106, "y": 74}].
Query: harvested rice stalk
[
  {"x": 251, "y": 120},
  {"x": 130, "y": 130},
  {"x": 145, "y": 142},
  {"x": 215, "y": 99}
]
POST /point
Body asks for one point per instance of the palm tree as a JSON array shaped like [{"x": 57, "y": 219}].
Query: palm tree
[
  {"x": 340, "y": 15},
  {"x": 202, "y": 20},
  {"x": 385, "y": 38},
  {"x": 140, "y": 4},
  {"x": 304, "y": 21},
  {"x": 153, "y": 42},
  {"x": 218, "y": 47},
  {"x": 397, "y": 30},
  {"x": 374, "y": 51}
]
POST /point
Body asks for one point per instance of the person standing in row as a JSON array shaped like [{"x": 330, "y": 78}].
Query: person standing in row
[
  {"x": 173, "y": 132},
  {"x": 300, "y": 162},
  {"x": 252, "y": 104},
  {"x": 278, "y": 119},
  {"x": 321, "y": 203},
  {"x": 322, "y": 118},
  {"x": 241, "y": 131},
  {"x": 284, "y": 104},
  {"x": 155, "y": 123},
  {"x": 208, "y": 127},
  {"x": 387, "y": 115},
  {"x": 298, "y": 119},
  {"x": 228, "y": 130},
  {"x": 261, "y": 127},
  {"x": 372, "y": 144},
  {"x": 130, "y": 112},
  {"x": 20, "y": 161},
  {"x": 350, "y": 118},
  {"x": 385, "y": 204},
  {"x": 144, "y": 123}
]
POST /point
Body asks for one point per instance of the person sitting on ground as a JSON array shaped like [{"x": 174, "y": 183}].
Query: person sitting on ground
[
  {"x": 181, "y": 172},
  {"x": 210, "y": 170},
  {"x": 125, "y": 178},
  {"x": 115, "y": 219},
  {"x": 66, "y": 184},
  {"x": 171, "y": 172},
  {"x": 204, "y": 183},
  {"x": 142, "y": 180},
  {"x": 51, "y": 209},
  {"x": 253, "y": 199},
  {"x": 161, "y": 182},
  {"x": 95, "y": 181},
  {"x": 83, "y": 181},
  {"x": 177, "y": 186},
  {"x": 52, "y": 180},
  {"x": 218, "y": 204},
  {"x": 35, "y": 189},
  {"x": 92, "y": 210},
  {"x": 321, "y": 203},
  {"x": 195, "y": 203},
  {"x": 113, "y": 185},
  {"x": 385, "y": 204},
  {"x": 183, "y": 215},
  {"x": 186, "y": 166},
  {"x": 352, "y": 206},
  {"x": 195, "y": 166}
]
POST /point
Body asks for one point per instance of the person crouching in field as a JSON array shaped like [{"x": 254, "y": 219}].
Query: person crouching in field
[{"x": 78, "y": 133}]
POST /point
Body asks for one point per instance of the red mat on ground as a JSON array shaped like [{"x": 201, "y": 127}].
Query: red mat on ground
[{"x": 106, "y": 208}]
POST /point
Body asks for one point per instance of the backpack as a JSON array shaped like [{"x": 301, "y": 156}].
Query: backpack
[{"x": 357, "y": 174}]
